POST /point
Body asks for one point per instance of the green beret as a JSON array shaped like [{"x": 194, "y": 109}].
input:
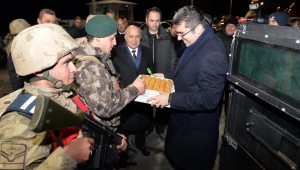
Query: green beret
[{"x": 101, "y": 26}]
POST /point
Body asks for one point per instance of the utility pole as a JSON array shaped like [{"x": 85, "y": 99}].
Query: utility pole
[
  {"x": 192, "y": 2},
  {"x": 94, "y": 7},
  {"x": 294, "y": 8},
  {"x": 230, "y": 7}
]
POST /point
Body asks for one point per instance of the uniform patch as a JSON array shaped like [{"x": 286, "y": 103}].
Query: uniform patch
[{"x": 12, "y": 156}]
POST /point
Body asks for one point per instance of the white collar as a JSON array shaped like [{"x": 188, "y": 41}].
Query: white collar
[{"x": 136, "y": 50}]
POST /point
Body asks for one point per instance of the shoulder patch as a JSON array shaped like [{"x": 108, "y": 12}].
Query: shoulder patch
[
  {"x": 8, "y": 99},
  {"x": 12, "y": 155}
]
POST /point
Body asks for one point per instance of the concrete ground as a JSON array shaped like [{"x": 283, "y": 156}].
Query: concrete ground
[{"x": 156, "y": 161}]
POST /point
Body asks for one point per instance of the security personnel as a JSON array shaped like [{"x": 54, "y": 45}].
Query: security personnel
[
  {"x": 41, "y": 55},
  {"x": 95, "y": 84},
  {"x": 15, "y": 27}
]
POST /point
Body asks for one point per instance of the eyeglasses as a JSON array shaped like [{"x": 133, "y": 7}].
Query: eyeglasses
[{"x": 182, "y": 35}]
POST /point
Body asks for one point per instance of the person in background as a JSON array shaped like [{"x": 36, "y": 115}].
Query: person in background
[
  {"x": 294, "y": 23},
  {"x": 227, "y": 34},
  {"x": 77, "y": 29},
  {"x": 120, "y": 32},
  {"x": 200, "y": 76},
  {"x": 48, "y": 67},
  {"x": 47, "y": 16},
  {"x": 110, "y": 14},
  {"x": 226, "y": 37},
  {"x": 208, "y": 19},
  {"x": 278, "y": 19},
  {"x": 131, "y": 60},
  {"x": 7, "y": 39},
  {"x": 15, "y": 27},
  {"x": 164, "y": 57},
  {"x": 179, "y": 44},
  {"x": 125, "y": 20},
  {"x": 88, "y": 18},
  {"x": 2, "y": 45},
  {"x": 250, "y": 15}
]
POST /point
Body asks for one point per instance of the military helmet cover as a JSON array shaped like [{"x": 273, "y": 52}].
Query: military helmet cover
[
  {"x": 18, "y": 25},
  {"x": 40, "y": 47},
  {"x": 101, "y": 26},
  {"x": 88, "y": 18}
]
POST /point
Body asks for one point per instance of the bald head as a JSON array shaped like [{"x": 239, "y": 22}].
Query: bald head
[{"x": 133, "y": 36}]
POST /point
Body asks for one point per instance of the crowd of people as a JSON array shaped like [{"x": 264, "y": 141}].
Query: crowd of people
[{"x": 99, "y": 63}]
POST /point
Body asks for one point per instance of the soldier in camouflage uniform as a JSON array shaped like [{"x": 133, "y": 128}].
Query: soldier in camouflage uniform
[
  {"x": 15, "y": 27},
  {"x": 42, "y": 55},
  {"x": 95, "y": 84}
]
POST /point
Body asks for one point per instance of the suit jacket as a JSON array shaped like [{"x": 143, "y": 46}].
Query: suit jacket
[
  {"x": 199, "y": 80},
  {"x": 135, "y": 116}
]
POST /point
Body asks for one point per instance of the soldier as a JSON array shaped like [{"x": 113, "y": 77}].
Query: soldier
[
  {"x": 45, "y": 16},
  {"x": 47, "y": 66},
  {"x": 15, "y": 27},
  {"x": 96, "y": 86}
]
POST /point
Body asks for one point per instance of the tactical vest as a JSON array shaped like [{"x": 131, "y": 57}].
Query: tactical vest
[
  {"x": 79, "y": 101},
  {"x": 96, "y": 60},
  {"x": 25, "y": 103}
]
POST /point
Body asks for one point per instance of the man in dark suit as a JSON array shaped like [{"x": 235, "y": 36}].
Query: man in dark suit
[
  {"x": 120, "y": 32},
  {"x": 131, "y": 60},
  {"x": 199, "y": 79}
]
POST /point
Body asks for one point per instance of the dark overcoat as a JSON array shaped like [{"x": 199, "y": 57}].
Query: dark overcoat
[{"x": 192, "y": 136}]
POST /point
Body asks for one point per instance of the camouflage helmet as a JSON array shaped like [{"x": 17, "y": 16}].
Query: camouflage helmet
[
  {"x": 17, "y": 26},
  {"x": 88, "y": 18},
  {"x": 40, "y": 47}
]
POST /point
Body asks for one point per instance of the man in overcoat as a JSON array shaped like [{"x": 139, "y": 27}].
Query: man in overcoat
[{"x": 199, "y": 79}]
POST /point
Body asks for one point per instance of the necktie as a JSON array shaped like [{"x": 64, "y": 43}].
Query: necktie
[{"x": 133, "y": 55}]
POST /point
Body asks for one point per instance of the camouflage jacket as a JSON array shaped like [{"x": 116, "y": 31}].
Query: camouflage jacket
[
  {"x": 96, "y": 87},
  {"x": 32, "y": 150}
]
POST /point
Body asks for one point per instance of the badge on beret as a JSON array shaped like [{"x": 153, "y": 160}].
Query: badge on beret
[{"x": 12, "y": 155}]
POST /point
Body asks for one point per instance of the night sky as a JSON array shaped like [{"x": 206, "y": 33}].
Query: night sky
[{"x": 68, "y": 9}]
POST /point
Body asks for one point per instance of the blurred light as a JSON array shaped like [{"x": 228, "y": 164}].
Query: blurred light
[
  {"x": 262, "y": 3},
  {"x": 278, "y": 7}
]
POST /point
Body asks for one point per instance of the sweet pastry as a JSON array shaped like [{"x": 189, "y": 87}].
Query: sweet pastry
[
  {"x": 151, "y": 83},
  {"x": 168, "y": 86},
  {"x": 157, "y": 84}
]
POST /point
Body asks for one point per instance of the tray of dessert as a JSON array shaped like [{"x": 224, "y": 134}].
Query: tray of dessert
[{"x": 153, "y": 86}]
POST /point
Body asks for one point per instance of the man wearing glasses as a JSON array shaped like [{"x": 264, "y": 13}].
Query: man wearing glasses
[{"x": 199, "y": 79}]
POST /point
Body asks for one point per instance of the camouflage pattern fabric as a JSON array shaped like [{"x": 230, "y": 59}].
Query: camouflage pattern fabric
[
  {"x": 24, "y": 149},
  {"x": 97, "y": 89}
]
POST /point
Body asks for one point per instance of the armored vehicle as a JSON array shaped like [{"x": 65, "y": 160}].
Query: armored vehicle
[{"x": 263, "y": 115}]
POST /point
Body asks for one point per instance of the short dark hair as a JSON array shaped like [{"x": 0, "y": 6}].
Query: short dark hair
[
  {"x": 122, "y": 17},
  {"x": 77, "y": 17},
  {"x": 153, "y": 9},
  {"x": 46, "y": 11},
  {"x": 191, "y": 15}
]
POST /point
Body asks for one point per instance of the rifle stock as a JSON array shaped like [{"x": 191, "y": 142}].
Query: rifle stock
[{"x": 49, "y": 115}]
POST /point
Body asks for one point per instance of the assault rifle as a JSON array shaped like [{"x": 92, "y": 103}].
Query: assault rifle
[{"x": 45, "y": 118}]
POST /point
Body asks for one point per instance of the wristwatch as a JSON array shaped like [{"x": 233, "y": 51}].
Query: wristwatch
[{"x": 170, "y": 96}]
